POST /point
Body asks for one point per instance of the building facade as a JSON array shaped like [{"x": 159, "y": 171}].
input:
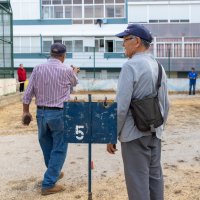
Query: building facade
[{"x": 87, "y": 28}]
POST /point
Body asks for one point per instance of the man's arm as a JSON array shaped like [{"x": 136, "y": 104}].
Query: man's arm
[
  {"x": 28, "y": 94},
  {"x": 73, "y": 71},
  {"x": 124, "y": 94}
]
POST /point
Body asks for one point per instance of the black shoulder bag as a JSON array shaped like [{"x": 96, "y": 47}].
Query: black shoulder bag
[{"x": 146, "y": 112}]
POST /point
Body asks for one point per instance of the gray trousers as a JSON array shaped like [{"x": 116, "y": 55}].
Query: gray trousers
[{"x": 142, "y": 168}]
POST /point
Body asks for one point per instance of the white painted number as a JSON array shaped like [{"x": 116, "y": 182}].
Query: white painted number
[{"x": 79, "y": 133}]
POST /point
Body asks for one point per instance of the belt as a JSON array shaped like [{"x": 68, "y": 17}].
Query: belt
[{"x": 49, "y": 108}]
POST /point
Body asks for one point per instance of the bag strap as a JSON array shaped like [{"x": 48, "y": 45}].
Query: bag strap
[{"x": 159, "y": 76}]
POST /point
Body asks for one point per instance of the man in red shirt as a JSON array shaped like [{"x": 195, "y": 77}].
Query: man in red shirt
[{"x": 21, "y": 77}]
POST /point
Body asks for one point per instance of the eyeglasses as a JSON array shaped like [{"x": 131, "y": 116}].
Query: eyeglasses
[{"x": 126, "y": 39}]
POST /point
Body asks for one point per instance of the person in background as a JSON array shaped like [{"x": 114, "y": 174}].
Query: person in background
[
  {"x": 141, "y": 151},
  {"x": 21, "y": 72},
  {"x": 192, "y": 75},
  {"x": 50, "y": 83}
]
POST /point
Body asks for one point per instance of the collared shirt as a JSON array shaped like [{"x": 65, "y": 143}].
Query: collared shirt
[
  {"x": 138, "y": 79},
  {"x": 50, "y": 84}
]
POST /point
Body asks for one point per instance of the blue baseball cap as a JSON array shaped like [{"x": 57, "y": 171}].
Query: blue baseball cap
[
  {"x": 137, "y": 30},
  {"x": 58, "y": 48}
]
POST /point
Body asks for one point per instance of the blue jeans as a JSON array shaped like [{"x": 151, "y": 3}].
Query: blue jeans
[
  {"x": 192, "y": 85},
  {"x": 54, "y": 147}
]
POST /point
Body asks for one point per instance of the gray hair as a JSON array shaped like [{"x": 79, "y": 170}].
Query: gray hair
[{"x": 144, "y": 42}]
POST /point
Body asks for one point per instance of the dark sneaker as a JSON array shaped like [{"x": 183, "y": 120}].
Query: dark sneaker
[
  {"x": 53, "y": 190},
  {"x": 39, "y": 183}
]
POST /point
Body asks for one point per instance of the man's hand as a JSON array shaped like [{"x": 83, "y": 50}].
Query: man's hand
[
  {"x": 75, "y": 69},
  {"x": 111, "y": 148},
  {"x": 26, "y": 118}
]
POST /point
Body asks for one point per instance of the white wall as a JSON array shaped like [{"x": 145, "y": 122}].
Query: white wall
[
  {"x": 137, "y": 13},
  {"x": 7, "y": 86},
  {"x": 174, "y": 85},
  {"x": 25, "y": 9},
  {"x": 140, "y": 12},
  {"x": 195, "y": 17},
  {"x": 81, "y": 62}
]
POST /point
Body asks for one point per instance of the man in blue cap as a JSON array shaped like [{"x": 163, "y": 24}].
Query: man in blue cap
[
  {"x": 141, "y": 151},
  {"x": 50, "y": 83}
]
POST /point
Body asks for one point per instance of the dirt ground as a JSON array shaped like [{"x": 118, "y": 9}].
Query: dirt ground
[{"x": 22, "y": 165}]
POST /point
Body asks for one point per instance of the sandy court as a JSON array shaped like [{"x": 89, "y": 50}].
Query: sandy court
[{"x": 22, "y": 165}]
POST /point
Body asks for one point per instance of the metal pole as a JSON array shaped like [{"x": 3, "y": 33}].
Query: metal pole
[
  {"x": 90, "y": 151},
  {"x": 94, "y": 61},
  {"x": 12, "y": 51},
  {"x": 4, "y": 64},
  {"x": 169, "y": 55}
]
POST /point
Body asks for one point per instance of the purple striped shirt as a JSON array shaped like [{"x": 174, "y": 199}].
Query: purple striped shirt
[{"x": 50, "y": 84}]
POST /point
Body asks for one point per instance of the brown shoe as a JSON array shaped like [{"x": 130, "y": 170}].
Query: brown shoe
[
  {"x": 61, "y": 175},
  {"x": 53, "y": 190}
]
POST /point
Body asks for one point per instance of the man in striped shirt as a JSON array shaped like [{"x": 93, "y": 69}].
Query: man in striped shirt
[{"x": 50, "y": 84}]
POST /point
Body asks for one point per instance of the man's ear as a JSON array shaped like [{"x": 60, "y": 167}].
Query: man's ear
[{"x": 138, "y": 40}]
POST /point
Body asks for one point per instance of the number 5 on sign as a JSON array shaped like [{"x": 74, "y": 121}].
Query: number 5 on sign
[{"x": 79, "y": 133}]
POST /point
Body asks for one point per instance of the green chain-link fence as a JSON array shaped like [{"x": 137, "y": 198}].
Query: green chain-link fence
[{"x": 6, "y": 40}]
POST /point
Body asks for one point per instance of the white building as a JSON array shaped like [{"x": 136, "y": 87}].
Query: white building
[{"x": 87, "y": 27}]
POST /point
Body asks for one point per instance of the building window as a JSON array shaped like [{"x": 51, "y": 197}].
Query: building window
[
  {"x": 17, "y": 44},
  {"x": 158, "y": 21},
  {"x": 119, "y": 46},
  {"x": 77, "y": 1},
  {"x": 77, "y": 12},
  {"x": 35, "y": 45},
  {"x": 109, "y": 11},
  {"x": 119, "y": 11},
  {"x": 109, "y": 45},
  {"x": 68, "y": 12},
  {"x": 58, "y": 11},
  {"x": 68, "y": 45},
  {"x": 179, "y": 21},
  {"x": 25, "y": 48},
  {"x": 88, "y": 11},
  {"x": 56, "y": 2},
  {"x": 67, "y": 2},
  {"x": 98, "y": 1},
  {"x": 48, "y": 12},
  {"x": 109, "y": 1},
  {"x": 88, "y": 1},
  {"x": 46, "y": 46},
  {"x": 46, "y": 2},
  {"x": 119, "y": 1},
  {"x": 98, "y": 11},
  {"x": 78, "y": 46}
]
